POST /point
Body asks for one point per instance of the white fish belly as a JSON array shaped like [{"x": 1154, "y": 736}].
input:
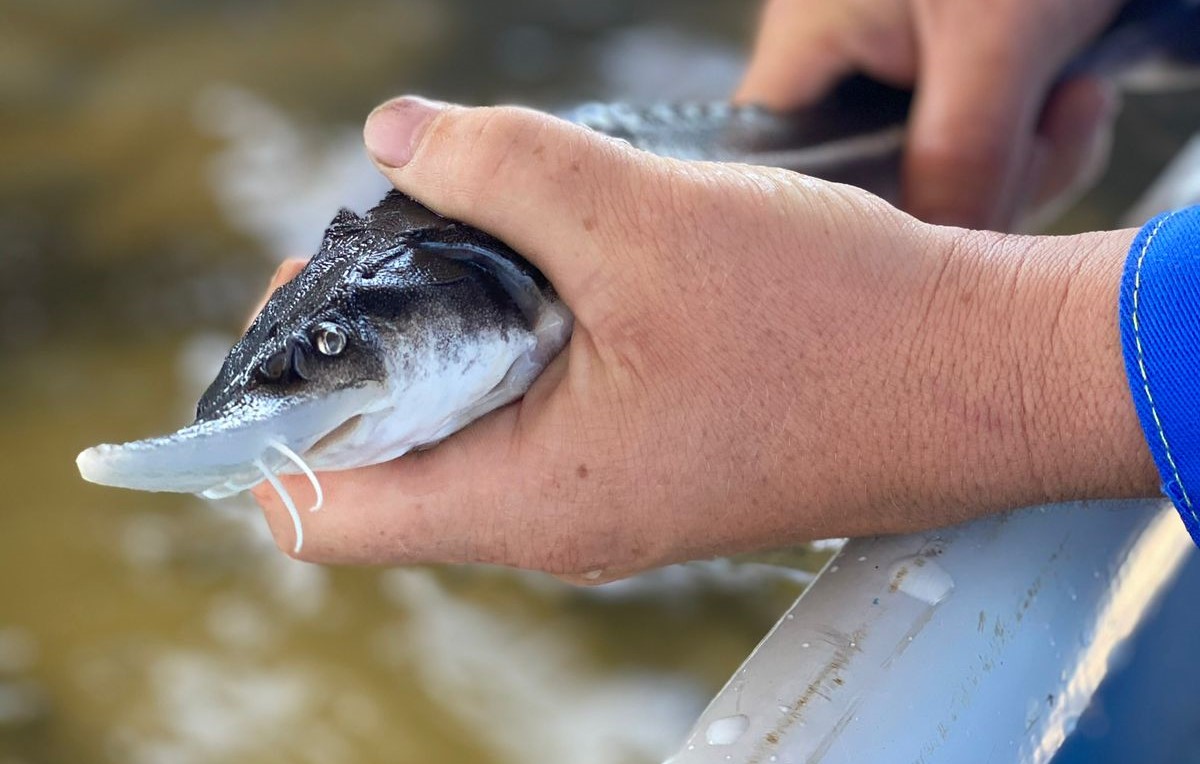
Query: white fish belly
[{"x": 429, "y": 394}]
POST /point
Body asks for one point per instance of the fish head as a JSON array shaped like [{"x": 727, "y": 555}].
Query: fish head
[
  {"x": 403, "y": 328},
  {"x": 301, "y": 377},
  {"x": 309, "y": 367}
]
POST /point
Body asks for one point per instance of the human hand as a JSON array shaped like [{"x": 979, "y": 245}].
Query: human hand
[
  {"x": 759, "y": 358},
  {"x": 993, "y": 133}
]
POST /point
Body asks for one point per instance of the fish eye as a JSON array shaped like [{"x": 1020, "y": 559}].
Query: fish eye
[
  {"x": 329, "y": 338},
  {"x": 274, "y": 367}
]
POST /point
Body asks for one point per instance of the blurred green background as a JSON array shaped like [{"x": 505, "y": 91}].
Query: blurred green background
[{"x": 157, "y": 159}]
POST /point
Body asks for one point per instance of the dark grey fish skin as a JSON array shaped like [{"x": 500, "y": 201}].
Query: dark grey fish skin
[
  {"x": 374, "y": 276},
  {"x": 854, "y": 135},
  {"x": 728, "y": 132}
]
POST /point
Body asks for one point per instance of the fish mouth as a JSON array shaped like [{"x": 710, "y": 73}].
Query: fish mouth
[{"x": 225, "y": 454}]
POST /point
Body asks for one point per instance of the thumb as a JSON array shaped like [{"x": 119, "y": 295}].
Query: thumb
[{"x": 538, "y": 183}]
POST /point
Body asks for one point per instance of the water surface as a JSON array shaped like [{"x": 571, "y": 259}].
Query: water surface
[{"x": 157, "y": 159}]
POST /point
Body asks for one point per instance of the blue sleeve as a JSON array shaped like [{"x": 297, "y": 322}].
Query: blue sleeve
[{"x": 1160, "y": 337}]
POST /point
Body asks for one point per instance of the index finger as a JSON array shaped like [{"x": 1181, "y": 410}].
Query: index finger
[
  {"x": 419, "y": 508},
  {"x": 479, "y": 496}
]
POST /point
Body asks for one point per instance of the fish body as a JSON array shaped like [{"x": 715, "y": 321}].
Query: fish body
[{"x": 854, "y": 135}]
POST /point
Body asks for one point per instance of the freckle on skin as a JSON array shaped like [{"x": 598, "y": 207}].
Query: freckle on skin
[
  {"x": 582, "y": 471},
  {"x": 589, "y": 224},
  {"x": 575, "y": 166}
]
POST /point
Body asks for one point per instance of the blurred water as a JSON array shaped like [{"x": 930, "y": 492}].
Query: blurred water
[{"x": 156, "y": 160}]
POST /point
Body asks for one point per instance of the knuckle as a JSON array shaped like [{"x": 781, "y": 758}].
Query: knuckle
[
  {"x": 280, "y": 526},
  {"x": 672, "y": 199},
  {"x": 287, "y": 270},
  {"x": 588, "y": 579},
  {"x": 282, "y": 543},
  {"x": 285, "y": 541},
  {"x": 526, "y": 158},
  {"x": 572, "y": 555},
  {"x": 570, "y": 539},
  {"x": 567, "y": 554},
  {"x": 978, "y": 156},
  {"x": 487, "y": 147},
  {"x": 964, "y": 180}
]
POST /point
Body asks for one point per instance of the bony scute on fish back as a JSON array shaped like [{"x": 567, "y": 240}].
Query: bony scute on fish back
[{"x": 403, "y": 328}]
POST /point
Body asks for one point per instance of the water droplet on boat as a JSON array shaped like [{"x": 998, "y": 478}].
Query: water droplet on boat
[
  {"x": 727, "y": 730},
  {"x": 791, "y": 616},
  {"x": 862, "y": 559},
  {"x": 1070, "y": 725},
  {"x": 805, "y": 645},
  {"x": 592, "y": 575},
  {"x": 784, "y": 709},
  {"x": 922, "y": 579}
]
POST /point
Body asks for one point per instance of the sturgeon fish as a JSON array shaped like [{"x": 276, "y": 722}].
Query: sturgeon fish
[
  {"x": 407, "y": 326},
  {"x": 402, "y": 329}
]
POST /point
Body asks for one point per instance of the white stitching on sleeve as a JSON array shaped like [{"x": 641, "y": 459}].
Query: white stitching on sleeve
[{"x": 1137, "y": 337}]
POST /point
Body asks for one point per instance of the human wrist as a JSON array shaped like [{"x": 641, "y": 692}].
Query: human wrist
[{"x": 1082, "y": 436}]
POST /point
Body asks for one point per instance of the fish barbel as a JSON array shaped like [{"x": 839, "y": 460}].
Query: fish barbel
[{"x": 407, "y": 326}]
